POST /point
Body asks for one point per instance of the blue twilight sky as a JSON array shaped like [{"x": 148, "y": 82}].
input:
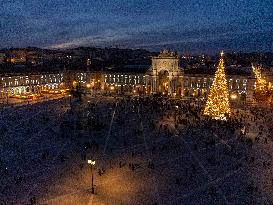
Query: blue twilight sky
[{"x": 185, "y": 25}]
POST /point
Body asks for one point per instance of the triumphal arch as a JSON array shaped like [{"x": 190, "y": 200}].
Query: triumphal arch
[{"x": 165, "y": 76}]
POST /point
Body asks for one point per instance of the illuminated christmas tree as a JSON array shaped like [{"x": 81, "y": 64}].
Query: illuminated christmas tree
[
  {"x": 263, "y": 88},
  {"x": 217, "y": 106}
]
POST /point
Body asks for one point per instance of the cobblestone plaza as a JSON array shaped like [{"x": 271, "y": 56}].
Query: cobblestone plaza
[{"x": 146, "y": 152}]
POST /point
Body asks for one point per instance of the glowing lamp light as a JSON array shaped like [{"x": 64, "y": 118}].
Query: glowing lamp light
[
  {"x": 88, "y": 85},
  {"x": 243, "y": 130},
  {"x": 91, "y": 162},
  {"x": 112, "y": 88},
  {"x": 233, "y": 96}
]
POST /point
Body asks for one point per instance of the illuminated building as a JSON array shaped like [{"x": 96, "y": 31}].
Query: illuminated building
[
  {"x": 34, "y": 83},
  {"x": 164, "y": 76}
]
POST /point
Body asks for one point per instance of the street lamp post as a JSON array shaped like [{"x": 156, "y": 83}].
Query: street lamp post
[
  {"x": 88, "y": 86},
  {"x": 92, "y": 163},
  {"x": 7, "y": 95},
  {"x": 69, "y": 99}
]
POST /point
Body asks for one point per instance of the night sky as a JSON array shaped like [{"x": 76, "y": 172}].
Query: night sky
[{"x": 184, "y": 25}]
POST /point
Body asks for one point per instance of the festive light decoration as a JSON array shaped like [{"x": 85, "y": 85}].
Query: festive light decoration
[
  {"x": 261, "y": 83},
  {"x": 263, "y": 88},
  {"x": 217, "y": 105}
]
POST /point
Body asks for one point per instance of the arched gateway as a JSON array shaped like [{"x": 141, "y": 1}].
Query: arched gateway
[{"x": 165, "y": 76}]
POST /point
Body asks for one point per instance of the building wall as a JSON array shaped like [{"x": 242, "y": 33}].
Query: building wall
[
  {"x": 198, "y": 85},
  {"x": 22, "y": 84},
  {"x": 192, "y": 85}
]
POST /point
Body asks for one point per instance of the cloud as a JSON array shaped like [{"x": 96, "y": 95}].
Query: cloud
[
  {"x": 204, "y": 39},
  {"x": 136, "y": 23}
]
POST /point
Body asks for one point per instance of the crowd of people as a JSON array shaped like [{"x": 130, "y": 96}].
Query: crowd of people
[{"x": 168, "y": 137}]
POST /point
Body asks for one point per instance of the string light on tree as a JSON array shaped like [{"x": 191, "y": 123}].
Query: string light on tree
[
  {"x": 217, "y": 105},
  {"x": 263, "y": 88}
]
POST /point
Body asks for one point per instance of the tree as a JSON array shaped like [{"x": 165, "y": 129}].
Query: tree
[
  {"x": 217, "y": 105},
  {"x": 263, "y": 88}
]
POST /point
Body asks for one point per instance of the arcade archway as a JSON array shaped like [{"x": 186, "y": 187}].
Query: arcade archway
[{"x": 163, "y": 78}]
